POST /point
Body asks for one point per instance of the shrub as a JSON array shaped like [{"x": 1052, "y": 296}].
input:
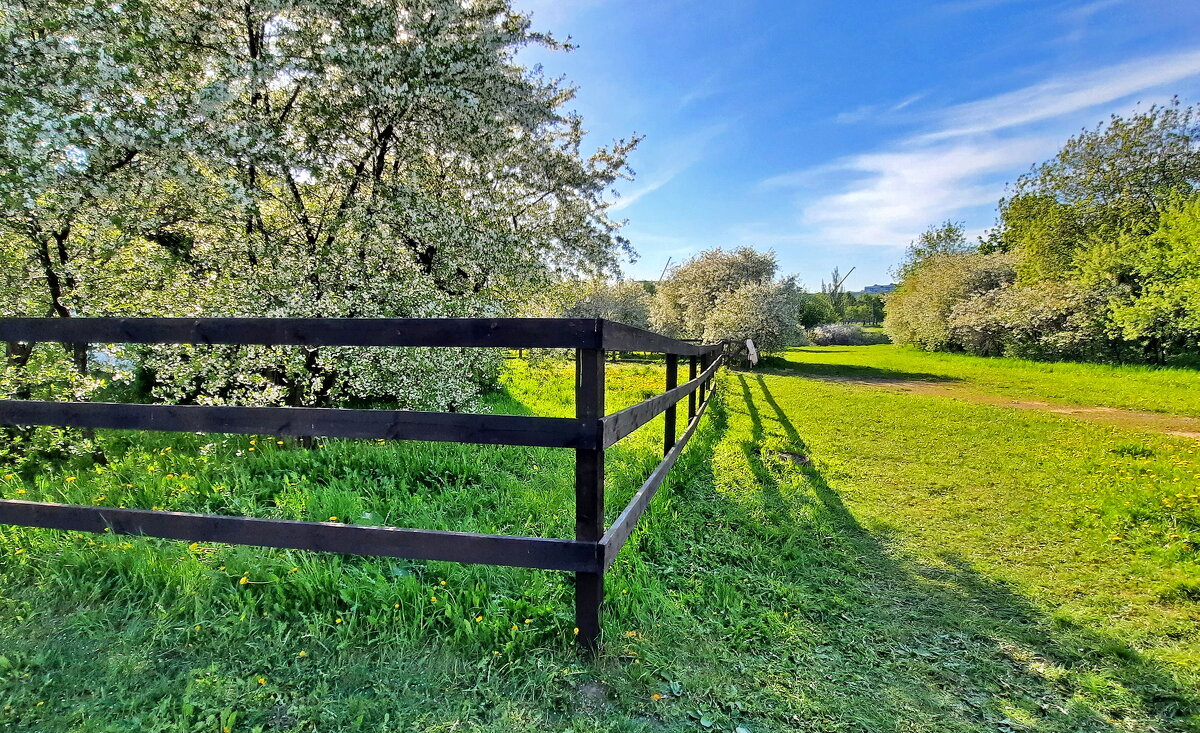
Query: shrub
[
  {"x": 919, "y": 310},
  {"x": 844, "y": 334},
  {"x": 1057, "y": 320}
]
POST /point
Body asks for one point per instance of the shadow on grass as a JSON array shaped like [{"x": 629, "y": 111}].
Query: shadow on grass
[
  {"x": 782, "y": 367},
  {"x": 837, "y": 632}
]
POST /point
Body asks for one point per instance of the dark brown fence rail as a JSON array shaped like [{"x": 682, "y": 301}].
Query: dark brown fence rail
[{"x": 589, "y": 433}]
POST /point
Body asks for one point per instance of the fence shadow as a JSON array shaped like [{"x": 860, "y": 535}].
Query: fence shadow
[
  {"x": 782, "y": 367},
  {"x": 876, "y": 641}
]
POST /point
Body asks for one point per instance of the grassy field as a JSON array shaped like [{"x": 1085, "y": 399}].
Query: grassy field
[
  {"x": 1170, "y": 391},
  {"x": 825, "y": 556}
]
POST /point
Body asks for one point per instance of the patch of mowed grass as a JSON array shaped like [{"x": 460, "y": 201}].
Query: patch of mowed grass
[
  {"x": 1174, "y": 390},
  {"x": 824, "y": 557}
]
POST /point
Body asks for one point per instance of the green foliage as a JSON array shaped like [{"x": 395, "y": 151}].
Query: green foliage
[
  {"x": 1164, "y": 310},
  {"x": 1102, "y": 240},
  {"x": 948, "y": 238}
]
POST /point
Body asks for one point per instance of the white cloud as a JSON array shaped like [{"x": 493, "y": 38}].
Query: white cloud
[
  {"x": 962, "y": 158},
  {"x": 1065, "y": 94},
  {"x": 674, "y": 158}
]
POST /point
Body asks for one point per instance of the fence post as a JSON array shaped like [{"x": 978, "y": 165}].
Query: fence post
[
  {"x": 589, "y": 493},
  {"x": 692, "y": 396},
  {"x": 669, "y": 423}
]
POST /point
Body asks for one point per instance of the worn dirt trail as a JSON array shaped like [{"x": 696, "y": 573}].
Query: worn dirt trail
[{"x": 1185, "y": 427}]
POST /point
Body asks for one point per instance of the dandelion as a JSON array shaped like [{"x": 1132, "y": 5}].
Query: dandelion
[
  {"x": 194, "y": 547},
  {"x": 293, "y": 570},
  {"x": 262, "y": 680},
  {"x": 70, "y": 479},
  {"x": 244, "y": 580},
  {"x": 656, "y": 696},
  {"x": 396, "y": 605},
  {"x": 478, "y": 619},
  {"x": 514, "y": 628},
  {"x": 576, "y": 631},
  {"x": 338, "y": 621},
  {"x": 197, "y": 627},
  {"x": 528, "y": 620},
  {"x": 443, "y": 582},
  {"x": 20, "y": 491},
  {"x": 631, "y": 634},
  {"x": 8, "y": 477},
  {"x": 302, "y": 653},
  {"x": 333, "y": 519},
  {"x": 433, "y": 599},
  {"x": 279, "y": 442},
  {"x": 19, "y": 550}
]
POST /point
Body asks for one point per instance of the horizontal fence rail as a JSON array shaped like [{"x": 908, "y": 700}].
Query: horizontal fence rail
[
  {"x": 589, "y": 434},
  {"x": 313, "y": 422}
]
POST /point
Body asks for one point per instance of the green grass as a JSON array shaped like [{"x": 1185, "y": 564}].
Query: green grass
[
  {"x": 824, "y": 557},
  {"x": 1173, "y": 391}
]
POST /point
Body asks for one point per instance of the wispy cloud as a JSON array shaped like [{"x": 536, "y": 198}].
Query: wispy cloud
[
  {"x": 1063, "y": 95},
  {"x": 961, "y": 158},
  {"x": 672, "y": 158}
]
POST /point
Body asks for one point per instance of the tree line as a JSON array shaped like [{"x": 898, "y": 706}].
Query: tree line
[{"x": 1095, "y": 255}]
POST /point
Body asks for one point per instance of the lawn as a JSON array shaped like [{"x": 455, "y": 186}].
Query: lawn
[
  {"x": 825, "y": 556},
  {"x": 1174, "y": 391}
]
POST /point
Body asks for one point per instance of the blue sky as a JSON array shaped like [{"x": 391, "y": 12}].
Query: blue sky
[{"x": 835, "y": 132}]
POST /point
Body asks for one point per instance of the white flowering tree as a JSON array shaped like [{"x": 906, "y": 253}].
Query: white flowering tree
[{"x": 304, "y": 158}]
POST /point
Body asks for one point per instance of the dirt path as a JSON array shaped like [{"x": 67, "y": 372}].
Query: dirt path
[{"x": 1185, "y": 427}]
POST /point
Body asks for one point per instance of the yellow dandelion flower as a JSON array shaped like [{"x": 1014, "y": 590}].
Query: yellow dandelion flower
[
  {"x": 20, "y": 491},
  {"x": 576, "y": 630},
  {"x": 338, "y": 621},
  {"x": 528, "y": 620},
  {"x": 262, "y": 680},
  {"x": 478, "y": 619},
  {"x": 333, "y": 519},
  {"x": 656, "y": 696},
  {"x": 302, "y": 653},
  {"x": 433, "y": 599},
  {"x": 443, "y": 582},
  {"x": 254, "y": 442},
  {"x": 70, "y": 479},
  {"x": 244, "y": 580},
  {"x": 293, "y": 570},
  {"x": 197, "y": 627}
]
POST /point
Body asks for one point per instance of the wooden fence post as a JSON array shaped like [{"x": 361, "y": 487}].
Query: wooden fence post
[
  {"x": 669, "y": 423},
  {"x": 692, "y": 363},
  {"x": 589, "y": 493}
]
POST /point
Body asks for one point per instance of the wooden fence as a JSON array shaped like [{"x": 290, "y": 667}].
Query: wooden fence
[{"x": 589, "y": 433}]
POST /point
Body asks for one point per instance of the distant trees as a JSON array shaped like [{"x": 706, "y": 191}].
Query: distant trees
[{"x": 1094, "y": 256}]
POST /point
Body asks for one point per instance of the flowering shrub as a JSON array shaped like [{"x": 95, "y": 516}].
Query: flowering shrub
[{"x": 843, "y": 334}]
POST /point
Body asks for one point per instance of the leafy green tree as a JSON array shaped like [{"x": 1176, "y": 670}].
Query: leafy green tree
[
  {"x": 947, "y": 238},
  {"x": 1113, "y": 180},
  {"x": 1163, "y": 313}
]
